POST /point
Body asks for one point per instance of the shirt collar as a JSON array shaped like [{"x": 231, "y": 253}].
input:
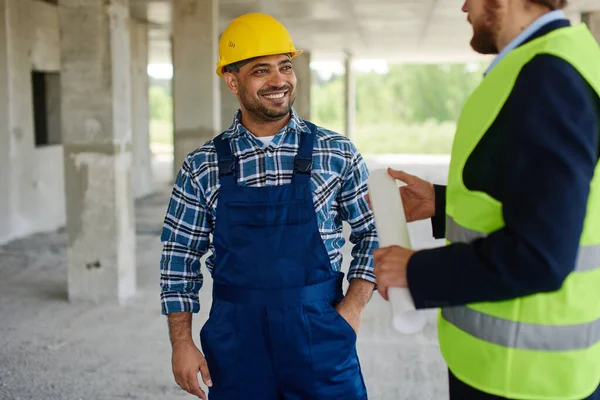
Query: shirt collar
[
  {"x": 296, "y": 124},
  {"x": 523, "y": 36}
]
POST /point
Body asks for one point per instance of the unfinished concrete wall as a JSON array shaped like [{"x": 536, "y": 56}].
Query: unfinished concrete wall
[
  {"x": 30, "y": 196},
  {"x": 41, "y": 20},
  {"x": 49, "y": 175},
  {"x": 142, "y": 161}
]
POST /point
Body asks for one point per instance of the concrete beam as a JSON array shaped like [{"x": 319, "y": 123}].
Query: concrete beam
[
  {"x": 97, "y": 137},
  {"x": 196, "y": 93},
  {"x": 349, "y": 97},
  {"x": 142, "y": 159},
  {"x": 303, "y": 89}
]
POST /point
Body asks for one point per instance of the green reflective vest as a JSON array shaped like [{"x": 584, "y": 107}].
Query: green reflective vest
[{"x": 544, "y": 346}]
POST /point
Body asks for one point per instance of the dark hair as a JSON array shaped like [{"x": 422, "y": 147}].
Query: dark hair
[
  {"x": 235, "y": 67},
  {"x": 552, "y": 4}
]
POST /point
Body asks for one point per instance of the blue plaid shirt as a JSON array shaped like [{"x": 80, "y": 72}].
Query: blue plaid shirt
[{"x": 338, "y": 182}]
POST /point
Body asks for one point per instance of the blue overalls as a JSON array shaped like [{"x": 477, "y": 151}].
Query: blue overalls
[{"x": 273, "y": 332}]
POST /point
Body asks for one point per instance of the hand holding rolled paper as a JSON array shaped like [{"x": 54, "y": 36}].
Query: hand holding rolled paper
[{"x": 418, "y": 196}]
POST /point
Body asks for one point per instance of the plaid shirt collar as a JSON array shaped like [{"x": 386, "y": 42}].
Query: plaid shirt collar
[{"x": 236, "y": 129}]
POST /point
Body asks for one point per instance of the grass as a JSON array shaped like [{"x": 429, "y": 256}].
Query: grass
[
  {"x": 161, "y": 132},
  {"x": 388, "y": 138},
  {"x": 380, "y": 138}
]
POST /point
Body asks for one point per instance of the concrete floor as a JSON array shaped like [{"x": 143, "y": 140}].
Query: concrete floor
[{"x": 50, "y": 349}]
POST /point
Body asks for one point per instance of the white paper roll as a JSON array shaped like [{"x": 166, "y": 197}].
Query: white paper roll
[{"x": 392, "y": 229}]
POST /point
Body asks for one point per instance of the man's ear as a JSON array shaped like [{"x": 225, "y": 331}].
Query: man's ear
[{"x": 231, "y": 81}]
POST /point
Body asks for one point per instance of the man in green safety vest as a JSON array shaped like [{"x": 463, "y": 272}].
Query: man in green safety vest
[{"x": 518, "y": 283}]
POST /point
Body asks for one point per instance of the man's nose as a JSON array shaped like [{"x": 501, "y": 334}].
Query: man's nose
[{"x": 276, "y": 79}]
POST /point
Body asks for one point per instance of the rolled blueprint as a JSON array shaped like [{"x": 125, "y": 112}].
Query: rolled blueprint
[{"x": 392, "y": 229}]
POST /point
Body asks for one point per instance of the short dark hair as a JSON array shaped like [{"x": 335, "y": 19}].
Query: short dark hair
[
  {"x": 235, "y": 67},
  {"x": 552, "y": 4}
]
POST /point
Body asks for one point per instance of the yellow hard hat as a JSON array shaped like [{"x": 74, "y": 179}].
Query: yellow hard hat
[{"x": 253, "y": 35}]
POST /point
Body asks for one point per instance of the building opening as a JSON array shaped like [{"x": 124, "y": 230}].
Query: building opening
[{"x": 46, "y": 107}]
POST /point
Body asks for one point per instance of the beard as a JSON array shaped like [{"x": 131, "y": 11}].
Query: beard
[
  {"x": 485, "y": 33},
  {"x": 253, "y": 105}
]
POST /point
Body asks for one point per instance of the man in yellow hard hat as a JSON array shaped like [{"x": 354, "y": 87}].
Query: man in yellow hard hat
[
  {"x": 519, "y": 282},
  {"x": 272, "y": 190}
]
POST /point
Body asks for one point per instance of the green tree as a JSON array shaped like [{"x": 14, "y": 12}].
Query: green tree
[
  {"x": 328, "y": 101},
  {"x": 161, "y": 104}
]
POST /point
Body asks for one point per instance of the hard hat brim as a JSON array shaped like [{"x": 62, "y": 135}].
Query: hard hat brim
[{"x": 293, "y": 54}]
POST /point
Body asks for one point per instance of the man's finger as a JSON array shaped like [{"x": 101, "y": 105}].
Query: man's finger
[
  {"x": 403, "y": 176},
  {"x": 205, "y": 374},
  {"x": 382, "y": 289},
  {"x": 194, "y": 386},
  {"x": 381, "y": 251}
]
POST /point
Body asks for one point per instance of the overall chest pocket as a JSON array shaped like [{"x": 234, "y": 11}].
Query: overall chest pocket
[{"x": 267, "y": 214}]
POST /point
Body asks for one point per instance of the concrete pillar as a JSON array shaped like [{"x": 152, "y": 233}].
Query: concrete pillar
[
  {"x": 196, "y": 93},
  {"x": 5, "y": 143},
  {"x": 349, "y": 97},
  {"x": 229, "y": 105},
  {"x": 142, "y": 160},
  {"x": 304, "y": 76},
  {"x": 96, "y": 110},
  {"x": 592, "y": 20}
]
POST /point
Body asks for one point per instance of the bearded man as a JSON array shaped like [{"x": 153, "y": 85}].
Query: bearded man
[
  {"x": 272, "y": 190},
  {"x": 518, "y": 282}
]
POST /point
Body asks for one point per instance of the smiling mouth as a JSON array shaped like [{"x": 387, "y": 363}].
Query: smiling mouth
[{"x": 275, "y": 96}]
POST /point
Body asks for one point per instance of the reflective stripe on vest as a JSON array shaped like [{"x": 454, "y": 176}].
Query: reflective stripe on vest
[
  {"x": 588, "y": 257},
  {"x": 522, "y": 335}
]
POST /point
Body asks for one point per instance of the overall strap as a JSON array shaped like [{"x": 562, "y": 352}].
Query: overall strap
[
  {"x": 227, "y": 163},
  {"x": 303, "y": 160}
]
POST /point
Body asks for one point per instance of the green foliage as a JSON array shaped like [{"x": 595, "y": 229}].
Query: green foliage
[
  {"x": 328, "y": 101},
  {"x": 413, "y": 93},
  {"x": 411, "y": 109},
  {"x": 161, "y": 108}
]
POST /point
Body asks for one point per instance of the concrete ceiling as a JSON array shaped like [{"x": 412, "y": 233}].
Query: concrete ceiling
[{"x": 396, "y": 30}]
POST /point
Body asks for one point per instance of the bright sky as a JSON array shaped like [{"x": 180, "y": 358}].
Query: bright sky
[{"x": 324, "y": 68}]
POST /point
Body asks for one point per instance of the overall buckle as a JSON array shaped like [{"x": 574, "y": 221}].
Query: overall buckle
[
  {"x": 226, "y": 167},
  {"x": 302, "y": 165}
]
